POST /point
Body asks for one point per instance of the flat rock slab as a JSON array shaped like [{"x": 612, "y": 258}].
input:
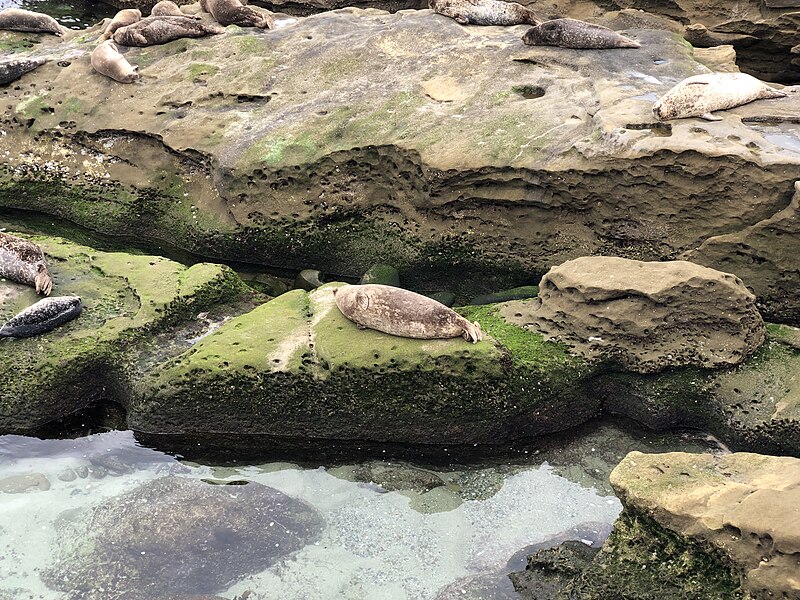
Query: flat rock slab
[
  {"x": 647, "y": 316},
  {"x": 353, "y": 137},
  {"x": 177, "y": 536},
  {"x": 746, "y": 506}
]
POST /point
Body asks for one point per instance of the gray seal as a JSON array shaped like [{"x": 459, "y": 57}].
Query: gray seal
[
  {"x": 45, "y": 315},
  {"x": 571, "y": 33},
  {"x": 233, "y": 12},
  {"x": 17, "y": 19},
  {"x": 12, "y": 69},
  {"x": 152, "y": 31},
  {"x": 23, "y": 261},
  {"x": 123, "y": 18},
  {"x": 403, "y": 313},
  {"x": 485, "y": 12},
  {"x": 699, "y": 95},
  {"x": 107, "y": 60}
]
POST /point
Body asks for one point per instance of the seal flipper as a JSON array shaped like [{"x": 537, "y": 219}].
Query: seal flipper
[
  {"x": 472, "y": 332},
  {"x": 709, "y": 117},
  {"x": 461, "y": 20}
]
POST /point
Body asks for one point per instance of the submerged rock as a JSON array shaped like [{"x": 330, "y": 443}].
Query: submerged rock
[
  {"x": 21, "y": 484},
  {"x": 700, "y": 526},
  {"x": 646, "y": 316},
  {"x": 548, "y": 571},
  {"x": 176, "y": 536}
]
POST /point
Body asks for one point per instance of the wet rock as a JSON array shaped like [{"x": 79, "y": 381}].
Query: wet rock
[
  {"x": 487, "y": 586},
  {"x": 517, "y": 293},
  {"x": 446, "y": 298},
  {"x": 21, "y": 484},
  {"x": 548, "y": 571},
  {"x": 383, "y": 274},
  {"x": 645, "y": 316},
  {"x": 308, "y": 279},
  {"x": 263, "y": 282},
  {"x": 391, "y": 477},
  {"x": 701, "y": 526},
  {"x": 176, "y": 537},
  {"x": 67, "y": 475}
]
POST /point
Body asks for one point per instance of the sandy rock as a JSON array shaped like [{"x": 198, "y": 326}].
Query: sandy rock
[
  {"x": 177, "y": 536},
  {"x": 20, "y": 484},
  {"x": 645, "y": 315},
  {"x": 745, "y": 506}
]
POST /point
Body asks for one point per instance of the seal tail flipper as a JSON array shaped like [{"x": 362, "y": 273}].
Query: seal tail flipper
[
  {"x": 626, "y": 42},
  {"x": 43, "y": 282},
  {"x": 770, "y": 92},
  {"x": 533, "y": 18},
  {"x": 709, "y": 117},
  {"x": 472, "y": 332}
]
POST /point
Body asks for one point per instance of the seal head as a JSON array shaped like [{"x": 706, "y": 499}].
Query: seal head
[{"x": 403, "y": 313}]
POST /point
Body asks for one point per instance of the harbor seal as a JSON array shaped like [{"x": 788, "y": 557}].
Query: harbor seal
[
  {"x": 152, "y": 31},
  {"x": 107, "y": 60},
  {"x": 165, "y": 8},
  {"x": 403, "y": 313},
  {"x": 12, "y": 69},
  {"x": 571, "y": 33},
  {"x": 17, "y": 19},
  {"x": 485, "y": 12},
  {"x": 123, "y": 18},
  {"x": 699, "y": 95},
  {"x": 233, "y": 12},
  {"x": 46, "y": 314},
  {"x": 23, "y": 261}
]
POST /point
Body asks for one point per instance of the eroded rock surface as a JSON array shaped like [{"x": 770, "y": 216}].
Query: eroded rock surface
[
  {"x": 177, "y": 536},
  {"x": 742, "y": 510},
  {"x": 646, "y": 316},
  {"x": 317, "y": 145}
]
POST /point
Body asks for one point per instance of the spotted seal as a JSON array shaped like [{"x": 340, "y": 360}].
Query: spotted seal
[
  {"x": 107, "y": 60},
  {"x": 46, "y": 314},
  {"x": 152, "y": 31},
  {"x": 699, "y": 95},
  {"x": 123, "y": 18},
  {"x": 485, "y": 12},
  {"x": 571, "y": 33},
  {"x": 23, "y": 261},
  {"x": 17, "y": 19},
  {"x": 12, "y": 68},
  {"x": 403, "y": 313},
  {"x": 233, "y": 12},
  {"x": 165, "y": 8}
]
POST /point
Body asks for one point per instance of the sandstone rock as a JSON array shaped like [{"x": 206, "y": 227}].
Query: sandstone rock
[
  {"x": 338, "y": 158},
  {"x": 743, "y": 507},
  {"x": 176, "y": 536},
  {"x": 645, "y": 316}
]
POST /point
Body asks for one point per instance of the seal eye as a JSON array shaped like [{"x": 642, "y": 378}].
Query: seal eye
[{"x": 362, "y": 300}]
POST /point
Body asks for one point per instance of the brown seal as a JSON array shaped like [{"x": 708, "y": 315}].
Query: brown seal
[
  {"x": 485, "y": 12},
  {"x": 17, "y": 19},
  {"x": 152, "y": 31},
  {"x": 123, "y": 18},
  {"x": 699, "y": 95},
  {"x": 233, "y": 12},
  {"x": 23, "y": 261},
  {"x": 399, "y": 312},
  {"x": 571, "y": 33},
  {"x": 107, "y": 60},
  {"x": 166, "y": 8}
]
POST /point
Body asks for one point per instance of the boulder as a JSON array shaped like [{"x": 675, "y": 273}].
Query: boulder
[
  {"x": 303, "y": 146},
  {"x": 178, "y": 536},
  {"x": 517, "y": 293},
  {"x": 646, "y": 316},
  {"x": 701, "y": 526},
  {"x": 382, "y": 274}
]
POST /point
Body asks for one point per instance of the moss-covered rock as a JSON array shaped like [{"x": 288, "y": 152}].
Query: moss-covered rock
[
  {"x": 125, "y": 297},
  {"x": 296, "y": 367}
]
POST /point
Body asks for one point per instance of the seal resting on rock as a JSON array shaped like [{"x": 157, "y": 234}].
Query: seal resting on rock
[
  {"x": 123, "y": 18},
  {"x": 699, "y": 95},
  {"x": 399, "y": 312},
  {"x": 165, "y": 8},
  {"x": 571, "y": 33},
  {"x": 485, "y": 12},
  {"x": 233, "y": 12},
  {"x": 107, "y": 60},
  {"x": 17, "y": 19},
  {"x": 12, "y": 69},
  {"x": 23, "y": 261},
  {"x": 152, "y": 31},
  {"x": 46, "y": 314}
]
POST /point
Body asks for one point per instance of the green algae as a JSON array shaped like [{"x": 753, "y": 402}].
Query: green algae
[{"x": 201, "y": 71}]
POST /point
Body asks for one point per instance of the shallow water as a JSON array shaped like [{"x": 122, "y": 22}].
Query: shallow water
[
  {"x": 391, "y": 530},
  {"x": 75, "y": 14}
]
